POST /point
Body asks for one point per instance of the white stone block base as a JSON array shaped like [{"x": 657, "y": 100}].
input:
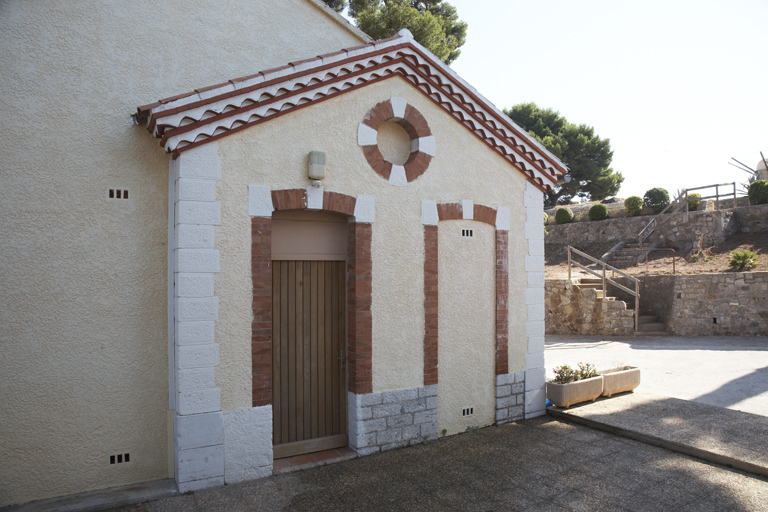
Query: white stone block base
[{"x": 247, "y": 444}]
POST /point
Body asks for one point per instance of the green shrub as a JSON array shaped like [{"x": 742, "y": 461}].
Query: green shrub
[
  {"x": 656, "y": 198},
  {"x": 693, "y": 201},
  {"x": 565, "y": 374},
  {"x": 598, "y": 212},
  {"x": 743, "y": 260},
  {"x": 758, "y": 192},
  {"x": 563, "y": 216},
  {"x": 633, "y": 205}
]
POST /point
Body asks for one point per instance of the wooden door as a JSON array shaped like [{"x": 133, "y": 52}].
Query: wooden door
[{"x": 308, "y": 356}]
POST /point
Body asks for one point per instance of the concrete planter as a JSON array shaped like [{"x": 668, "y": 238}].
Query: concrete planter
[
  {"x": 565, "y": 395},
  {"x": 618, "y": 380}
]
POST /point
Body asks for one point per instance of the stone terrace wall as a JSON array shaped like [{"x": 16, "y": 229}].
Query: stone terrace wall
[
  {"x": 730, "y": 304},
  {"x": 752, "y": 219},
  {"x": 689, "y": 304},
  {"x": 680, "y": 231},
  {"x": 570, "y": 310}
]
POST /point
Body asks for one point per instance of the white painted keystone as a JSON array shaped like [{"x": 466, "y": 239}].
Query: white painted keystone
[
  {"x": 429, "y": 216},
  {"x": 398, "y": 106},
  {"x": 365, "y": 209},
  {"x": 397, "y": 176},
  {"x": 260, "y": 202},
  {"x": 315, "y": 197},
  {"x": 468, "y": 209}
]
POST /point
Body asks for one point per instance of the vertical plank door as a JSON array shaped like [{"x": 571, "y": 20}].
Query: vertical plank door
[{"x": 308, "y": 356}]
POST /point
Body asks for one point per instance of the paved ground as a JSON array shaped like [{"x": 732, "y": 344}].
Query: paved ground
[
  {"x": 724, "y": 371},
  {"x": 540, "y": 464}
]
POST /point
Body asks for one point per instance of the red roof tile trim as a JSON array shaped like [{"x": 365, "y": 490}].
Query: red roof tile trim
[{"x": 186, "y": 121}]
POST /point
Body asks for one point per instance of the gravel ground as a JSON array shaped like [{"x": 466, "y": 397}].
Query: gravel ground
[{"x": 540, "y": 464}]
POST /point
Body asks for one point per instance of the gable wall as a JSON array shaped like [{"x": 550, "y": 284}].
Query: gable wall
[
  {"x": 83, "y": 304},
  {"x": 274, "y": 154}
]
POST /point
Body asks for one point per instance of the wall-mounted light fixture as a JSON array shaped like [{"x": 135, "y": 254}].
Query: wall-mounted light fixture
[{"x": 316, "y": 167}]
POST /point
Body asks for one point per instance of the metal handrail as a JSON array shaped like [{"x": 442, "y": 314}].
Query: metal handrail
[
  {"x": 605, "y": 279},
  {"x": 682, "y": 199},
  {"x": 646, "y": 251}
]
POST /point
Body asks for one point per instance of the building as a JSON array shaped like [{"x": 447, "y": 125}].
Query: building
[{"x": 180, "y": 304}]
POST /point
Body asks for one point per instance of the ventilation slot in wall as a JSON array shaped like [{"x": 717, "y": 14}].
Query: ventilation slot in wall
[
  {"x": 468, "y": 411},
  {"x": 120, "y": 458},
  {"x": 467, "y": 233},
  {"x": 118, "y": 193}
]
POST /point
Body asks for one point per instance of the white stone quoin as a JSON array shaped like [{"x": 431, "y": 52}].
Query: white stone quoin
[{"x": 535, "y": 373}]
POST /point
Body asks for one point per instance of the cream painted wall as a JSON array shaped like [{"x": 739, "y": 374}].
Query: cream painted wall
[
  {"x": 467, "y": 325},
  {"x": 83, "y": 326},
  {"x": 274, "y": 154}
]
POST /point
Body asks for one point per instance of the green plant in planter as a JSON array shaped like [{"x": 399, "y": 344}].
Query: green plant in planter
[
  {"x": 743, "y": 260},
  {"x": 656, "y": 198},
  {"x": 565, "y": 374},
  {"x": 758, "y": 192},
  {"x": 693, "y": 201},
  {"x": 633, "y": 205},
  {"x": 563, "y": 216},
  {"x": 598, "y": 212}
]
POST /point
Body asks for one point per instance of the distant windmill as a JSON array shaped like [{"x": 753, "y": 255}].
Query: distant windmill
[{"x": 759, "y": 173}]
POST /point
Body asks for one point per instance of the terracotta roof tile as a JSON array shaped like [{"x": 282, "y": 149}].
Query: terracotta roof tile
[{"x": 219, "y": 110}]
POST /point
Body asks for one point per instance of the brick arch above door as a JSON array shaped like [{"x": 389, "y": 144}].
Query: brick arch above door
[{"x": 262, "y": 202}]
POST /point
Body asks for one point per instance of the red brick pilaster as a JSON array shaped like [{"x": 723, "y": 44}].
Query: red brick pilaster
[
  {"x": 261, "y": 327},
  {"x": 430, "y": 305},
  {"x": 502, "y": 301},
  {"x": 359, "y": 326}
]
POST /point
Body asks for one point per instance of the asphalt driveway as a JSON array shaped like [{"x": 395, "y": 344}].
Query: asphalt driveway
[{"x": 540, "y": 465}]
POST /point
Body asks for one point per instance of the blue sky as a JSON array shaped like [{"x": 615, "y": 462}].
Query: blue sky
[{"x": 678, "y": 87}]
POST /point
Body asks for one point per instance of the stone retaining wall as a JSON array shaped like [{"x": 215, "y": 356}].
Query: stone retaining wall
[
  {"x": 680, "y": 231},
  {"x": 728, "y": 304},
  {"x": 725, "y": 304},
  {"x": 571, "y": 310}
]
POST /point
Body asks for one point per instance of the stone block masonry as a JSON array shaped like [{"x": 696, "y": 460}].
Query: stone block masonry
[
  {"x": 728, "y": 304},
  {"x": 680, "y": 231},
  {"x": 392, "y": 419},
  {"x": 510, "y": 397},
  {"x": 570, "y": 310}
]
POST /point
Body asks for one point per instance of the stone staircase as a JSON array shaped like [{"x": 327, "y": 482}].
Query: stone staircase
[
  {"x": 648, "y": 324},
  {"x": 627, "y": 254}
]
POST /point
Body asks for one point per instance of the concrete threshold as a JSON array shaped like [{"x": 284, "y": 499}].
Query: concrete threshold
[
  {"x": 723, "y": 436},
  {"x": 102, "y": 499}
]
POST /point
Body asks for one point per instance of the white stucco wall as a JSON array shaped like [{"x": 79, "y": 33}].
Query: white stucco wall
[
  {"x": 274, "y": 154},
  {"x": 467, "y": 325},
  {"x": 83, "y": 325}
]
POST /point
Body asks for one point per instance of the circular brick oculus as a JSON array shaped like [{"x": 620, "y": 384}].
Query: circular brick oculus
[{"x": 390, "y": 154}]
